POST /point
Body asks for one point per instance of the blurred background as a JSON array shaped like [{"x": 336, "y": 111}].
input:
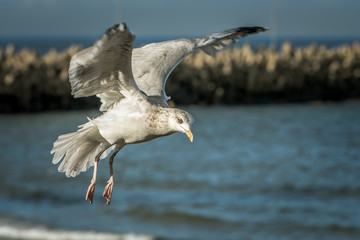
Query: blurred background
[{"x": 276, "y": 152}]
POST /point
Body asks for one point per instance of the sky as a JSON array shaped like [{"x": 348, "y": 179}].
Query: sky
[{"x": 307, "y": 18}]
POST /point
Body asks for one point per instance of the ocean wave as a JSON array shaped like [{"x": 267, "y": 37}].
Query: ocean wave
[
  {"x": 320, "y": 189},
  {"x": 10, "y": 230},
  {"x": 172, "y": 215},
  {"x": 36, "y": 195}
]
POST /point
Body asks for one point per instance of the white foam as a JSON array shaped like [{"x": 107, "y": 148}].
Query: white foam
[{"x": 42, "y": 233}]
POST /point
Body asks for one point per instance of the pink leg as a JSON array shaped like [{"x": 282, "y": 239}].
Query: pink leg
[
  {"x": 91, "y": 188},
  {"x": 110, "y": 183}
]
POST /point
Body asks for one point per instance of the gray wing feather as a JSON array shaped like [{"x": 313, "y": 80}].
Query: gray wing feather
[
  {"x": 213, "y": 43},
  {"x": 104, "y": 69},
  {"x": 153, "y": 63}
]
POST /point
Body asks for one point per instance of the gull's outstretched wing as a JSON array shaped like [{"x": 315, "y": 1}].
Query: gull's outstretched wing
[
  {"x": 153, "y": 63},
  {"x": 104, "y": 69},
  {"x": 215, "y": 42}
]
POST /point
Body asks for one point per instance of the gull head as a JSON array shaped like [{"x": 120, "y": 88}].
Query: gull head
[{"x": 181, "y": 121}]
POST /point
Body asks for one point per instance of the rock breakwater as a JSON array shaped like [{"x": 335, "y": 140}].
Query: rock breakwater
[
  {"x": 241, "y": 75},
  {"x": 30, "y": 82}
]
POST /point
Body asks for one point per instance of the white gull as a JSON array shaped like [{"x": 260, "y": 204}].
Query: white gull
[{"x": 131, "y": 86}]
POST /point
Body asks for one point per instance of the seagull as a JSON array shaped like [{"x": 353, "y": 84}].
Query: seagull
[{"x": 130, "y": 83}]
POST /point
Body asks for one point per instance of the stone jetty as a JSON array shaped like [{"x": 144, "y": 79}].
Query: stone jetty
[{"x": 30, "y": 82}]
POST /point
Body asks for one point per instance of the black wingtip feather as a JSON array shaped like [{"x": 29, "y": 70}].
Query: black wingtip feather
[
  {"x": 254, "y": 29},
  {"x": 114, "y": 29}
]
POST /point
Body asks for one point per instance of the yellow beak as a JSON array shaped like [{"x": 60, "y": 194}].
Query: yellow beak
[{"x": 189, "y": 134}]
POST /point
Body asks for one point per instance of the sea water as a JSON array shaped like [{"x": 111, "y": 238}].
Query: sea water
[{"x": 288, "y": 171}]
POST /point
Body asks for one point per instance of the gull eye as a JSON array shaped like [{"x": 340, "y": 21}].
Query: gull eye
[{"x": 180, "y": 121}]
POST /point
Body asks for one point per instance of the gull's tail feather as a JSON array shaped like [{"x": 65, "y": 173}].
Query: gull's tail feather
[{"x": 78, "y": 150}]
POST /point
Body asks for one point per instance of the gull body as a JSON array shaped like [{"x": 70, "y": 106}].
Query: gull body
[{"x": 131, "y": 86}]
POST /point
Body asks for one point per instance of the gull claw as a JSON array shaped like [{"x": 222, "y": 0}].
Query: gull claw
[
  {"x": 90, "y": 192},
  {"x": 108, "y": 191}
]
